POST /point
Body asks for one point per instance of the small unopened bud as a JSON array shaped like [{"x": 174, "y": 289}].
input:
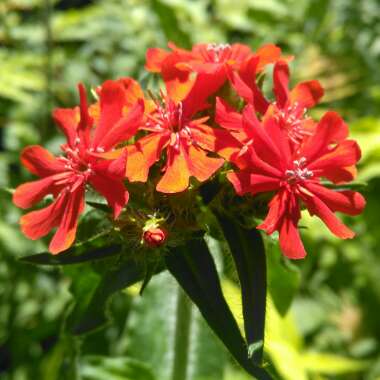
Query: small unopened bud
[{"x": 154, "y": 237}]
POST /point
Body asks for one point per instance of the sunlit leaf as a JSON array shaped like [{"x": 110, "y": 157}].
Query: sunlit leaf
[
  {"x": 281, "y": 272},
  {"x": 119, "y": 368},
  {"x": 247, "y": 249},
  {"x": 330, "y": 364},
  {"x": 195, "y": 270}
]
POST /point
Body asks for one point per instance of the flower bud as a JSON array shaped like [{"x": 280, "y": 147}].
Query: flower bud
[{"x": 154, "y": 237}]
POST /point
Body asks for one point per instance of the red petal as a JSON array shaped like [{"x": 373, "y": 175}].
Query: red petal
[
  {"x": 281, "y": 83},
  {"x": 290, "y": 240},
  {"x": 226, "y": 116},
  {"x": 264, "y": 146},
  {"x": 343, "y": 155},
  {"x": 152, "y": 145},
  {"x": 277, "y": 208},
  {"x": 340, "y": 175},
  {"x": 212, "y": 139},
  {"x": 40, "y": 161},
  {"x": 177, "y": 173},
  {"x": 319, "y": 208},
  {"x": 133, "y": 93},
  {"x": 242, "y": 88},
  {"x": 185, "y": 53},
  {"x": 178, "y": 81},
  {"x": 240, "y": 52},
  {"x": 137, "y": 168},
  {"x": 204, "y": 86},
  {"x": 30, "y": 193},
  {"x": 284, "y": 214},
  {"x": 330, "y": 129},
  {"x": 112, "y": 99},
  {"x": 348, "y": 202},
  {"x": 201, "y": 166},
  {"x": 268, "y": 54},
  {"x": 111, "y": 168},
  {"x": 154, "y": 59},
  {"x": 245, "y": 84},
  {"x": 125, "y": 128},
  {"x": 37, "y": 224},
  {"x": 67, "y": 120},
  {"x": 85, "y": 123},
  {"x": 65, "y": 234},
  {"x": 114, "y": 192},
  {"x": 261, "y": 167},
  {"x": 307, "y": 94},
  {"x": 246, "y": 182},
  {"x": 279, "y": 136}
]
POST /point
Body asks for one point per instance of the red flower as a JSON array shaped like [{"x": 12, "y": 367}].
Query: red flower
[
  {"x": 295, "y": 177},
  {"x": 185, "y": 139},
  {"x": 65, "y": 177},
  {"x": 290, "y": 107},
  {"x": 177, "y": 65}
]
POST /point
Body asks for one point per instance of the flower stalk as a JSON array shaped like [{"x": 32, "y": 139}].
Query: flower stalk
[{"x": 182, "y": 336}]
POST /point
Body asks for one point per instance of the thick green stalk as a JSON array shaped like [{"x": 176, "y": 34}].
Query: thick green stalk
[{"x": 182, "y": 337}]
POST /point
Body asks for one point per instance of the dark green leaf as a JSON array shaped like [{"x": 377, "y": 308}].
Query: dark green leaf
[
  {"x": 209, "y": 190},
  {"x": 88, "y": 251},
  {"x": 7, "y": 190},
  {"x": 281, "y": 272},
  {"x": 355, "y": 186},
  {"x": 248, "y": 252},
  {"x": 92, "y": 290},
  {"x": 194, "y": 269},
  {"x": 100, "y": 206},
  {"x": 170, "y": 24},
  {"x": 149, "y": 273}
]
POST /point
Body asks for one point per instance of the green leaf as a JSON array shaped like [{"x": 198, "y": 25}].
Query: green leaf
[
  {"x": 355, "y": 186},
  {"x": 248, "y": 252},
  {"x": 121, "y": 368},
  {"x": 92, "y": 290},
  {"x": 154, "y": 322},
  {"x": 91, "y": 250},
  {"x": 283, "y": 278},
  {"x": 170, "y": 25},
  {"x": 195, "y": 270},
  {"x": 149, "y": 273},
  {"x": 7, "y": 191},
  {"x": 330, "y": 364},
  {"x": 100, "y": 206}
]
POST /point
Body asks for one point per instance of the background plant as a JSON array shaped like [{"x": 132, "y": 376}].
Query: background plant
[{"x": 46, "y": 48}]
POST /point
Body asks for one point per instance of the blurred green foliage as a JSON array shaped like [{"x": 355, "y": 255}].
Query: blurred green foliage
[{"x": 332, "y": 330}]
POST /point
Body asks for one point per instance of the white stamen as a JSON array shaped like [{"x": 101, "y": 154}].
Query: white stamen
[
  {"x": 217, "y": 50},
  {"x": 300, "y": 172}
]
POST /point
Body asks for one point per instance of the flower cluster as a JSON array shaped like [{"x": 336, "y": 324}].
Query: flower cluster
[{"x": 192, "y": 128}]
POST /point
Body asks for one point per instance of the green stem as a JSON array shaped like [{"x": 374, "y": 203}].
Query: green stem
[{"x": 182, "y": 337}]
